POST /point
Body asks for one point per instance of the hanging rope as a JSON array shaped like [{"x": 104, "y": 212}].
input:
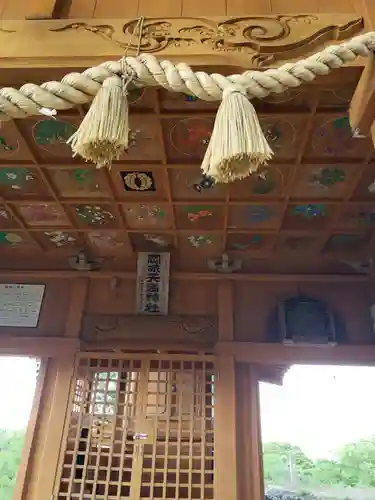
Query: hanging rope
[
  {"x": 228, "y": 157},
  {"x": 103, "y": 135},
  {"x": 80, "y": 88}
]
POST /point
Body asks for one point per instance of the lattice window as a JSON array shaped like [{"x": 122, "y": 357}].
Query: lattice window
[{"x": 140, "y": 429}]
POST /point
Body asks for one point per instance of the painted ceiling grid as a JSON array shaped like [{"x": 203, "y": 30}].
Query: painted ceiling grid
[{"x": 312, "y": 208}]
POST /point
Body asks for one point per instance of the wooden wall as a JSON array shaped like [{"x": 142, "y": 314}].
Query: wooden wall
[
  {"x": 19, "y": 9},
  {"x": 253, "y": 303},
  {"x": 241, "y": 360}
]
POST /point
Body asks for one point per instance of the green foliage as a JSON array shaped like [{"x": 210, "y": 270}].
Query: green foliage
[
  {"x": 11, "y": 444},
  {"x": 283, "y": 464},
  {"x": 358, "y": 463},
  {"x": 287, "y": 464}
]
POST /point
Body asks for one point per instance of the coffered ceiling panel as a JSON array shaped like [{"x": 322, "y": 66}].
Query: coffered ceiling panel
[{"x": 312, "y": 208}]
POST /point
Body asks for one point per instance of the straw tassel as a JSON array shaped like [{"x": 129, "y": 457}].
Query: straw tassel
[
  {"x": 104, "y": 132},
  {"x": 237, "y": 146}
]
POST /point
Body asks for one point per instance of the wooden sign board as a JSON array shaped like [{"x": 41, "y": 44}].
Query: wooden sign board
[
  {"x": 20, "y": 305},
  {"x": 153, "y": 283}
]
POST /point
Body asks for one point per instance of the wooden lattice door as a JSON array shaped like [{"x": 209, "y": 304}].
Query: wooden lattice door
[{"x": 140, "y": 428}]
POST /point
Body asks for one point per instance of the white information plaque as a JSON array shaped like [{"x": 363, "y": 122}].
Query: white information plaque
[{"x": 20, "y": 304}]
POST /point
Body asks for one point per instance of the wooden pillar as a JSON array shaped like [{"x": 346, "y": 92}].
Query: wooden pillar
[
  {"x": 77, "y": 304},
  {"x": 46, "y": 450},
  {"x": 225, "y": 308},
  {"x": 366, "y": 8},
  {"x": 250, "y": 473},
  {"x": 362, "y": 106},
  {"x": 225, "y": 403},
  {"x": 53, "y": 406},
  {"x": 256, "y": 469},
  {"x": 239, "y": 464},
  {"x": 30, "y": 432}
]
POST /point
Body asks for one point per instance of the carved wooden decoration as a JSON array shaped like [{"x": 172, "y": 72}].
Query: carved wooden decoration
[
  {"x": 253, "y": 41},
  {"x": 174, "y": 329},
  {"x": 264, "y": 38}
]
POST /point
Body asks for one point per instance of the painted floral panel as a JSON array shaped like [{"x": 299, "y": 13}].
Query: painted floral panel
[
  {"x": 12, "y": 144},
  {"x": 296, "y": 244},
  {"x": 61, "y": 239},
  {"x": 335, "y": 138},
  {"x": 354, "y": 216},
  {"x": 267, "y": 183},
  {"x": 95, "y": 215},
  {"x": 281, "y": 136},
  {"x": 13, "y": 239},
  {"x": 199, "y": 217},
  {"x": 336, "y": 98},
  {"x": 323, "y": 182},
  {"x": 151, "y": 241},
  {"x": 198, "y": 241},
  {"x": 42, "y": 214},
  {"x": 309, "y": 211},
  {"x": 144, "y": 143},
  {"x": 265, "y": 216},
  {"x": 189, "y": 138},
  {"x": 8, "y": 146},
  {"x": 108, "y": 242},
  {"x": 197, "y": 213},
  {"x": 51, "y": 136},
  {"x": 79, "y": 182},
  {"x": 16, "y": 182},
  {"x": 6, "y": 219},
  {"x": 147, "y": 216},
  {"x": 307, "y": 216},
  {"x": 345, "y": 242},
  {"x": 252, "y": 242}
]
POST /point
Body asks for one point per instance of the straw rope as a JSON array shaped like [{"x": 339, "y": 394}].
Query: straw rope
[{"x": 80, "y": 88}]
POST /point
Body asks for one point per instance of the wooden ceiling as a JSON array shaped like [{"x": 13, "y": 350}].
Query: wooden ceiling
[{"x": 311, "y": 210}]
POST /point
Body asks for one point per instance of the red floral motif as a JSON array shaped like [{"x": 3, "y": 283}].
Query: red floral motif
[
  {"x": 194, "y": 216},
  {"x": 191, "y": 136},
  {"x": 198, "y": 134}
]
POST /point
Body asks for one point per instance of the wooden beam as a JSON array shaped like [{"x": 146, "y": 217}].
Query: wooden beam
[
  {"x": 41, "y": 274},
  {"x": 278, "y": 354},
  {"x": 362, "y": 106},
  {"x": 37, "y": 346}
]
